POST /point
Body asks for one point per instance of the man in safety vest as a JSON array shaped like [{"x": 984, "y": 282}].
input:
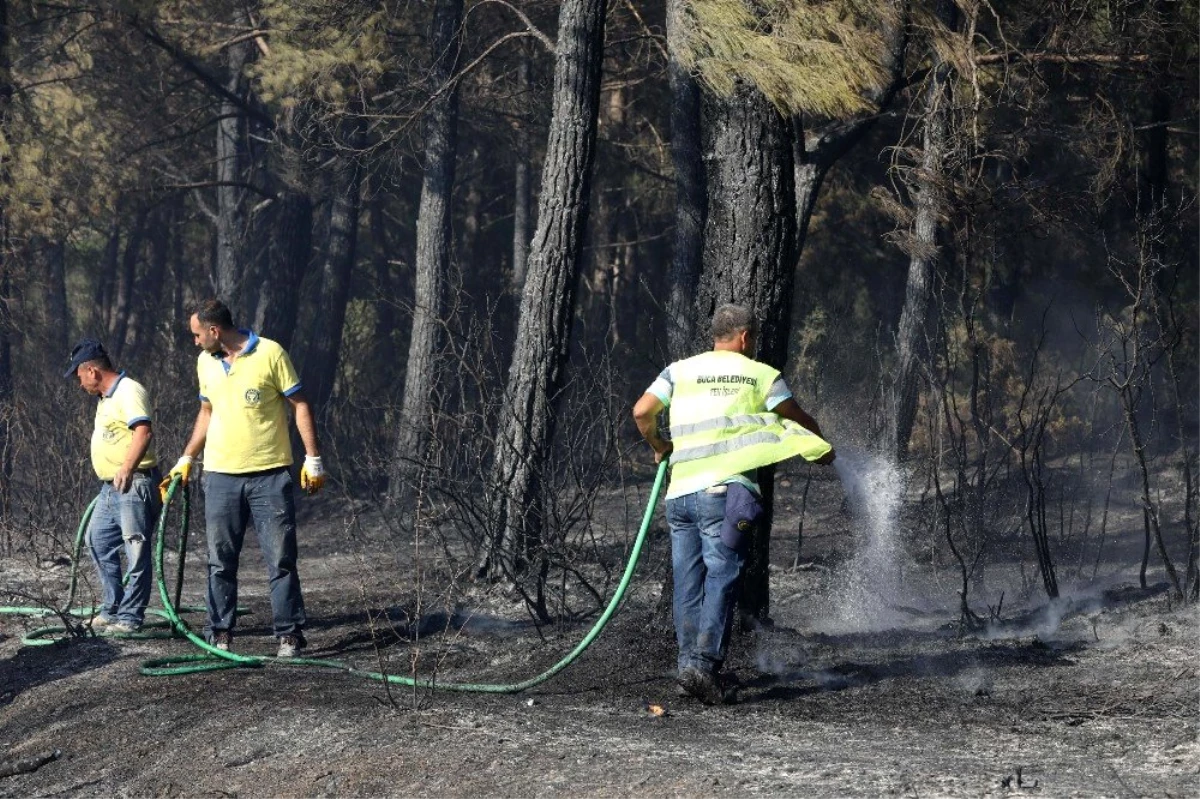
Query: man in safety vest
[{"x": 729, "y": 415}]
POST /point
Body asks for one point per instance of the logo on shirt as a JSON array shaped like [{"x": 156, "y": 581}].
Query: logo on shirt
[
  {"x": 726, "y": 383},
  {"x": 252, "y": 396},
  {"x": 109, "y": 435}
]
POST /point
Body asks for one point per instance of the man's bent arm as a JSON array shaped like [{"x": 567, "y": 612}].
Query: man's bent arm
[
  {"x": 306, "y": 425},
  {"x": 790, "y": 409},
  {"x": 138, "y": 444},
  {"x": 645, "y": 414}
]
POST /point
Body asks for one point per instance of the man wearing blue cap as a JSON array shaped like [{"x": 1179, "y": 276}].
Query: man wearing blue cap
[{"x": 128, "y": 506}]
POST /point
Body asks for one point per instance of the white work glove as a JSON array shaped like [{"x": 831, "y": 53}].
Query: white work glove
[{"x": 312, "y": 474}]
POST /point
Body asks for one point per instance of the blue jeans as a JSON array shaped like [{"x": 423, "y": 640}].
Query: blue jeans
[
  {"x": 231, "y": 502},
  {"x": 706, "y": 575},
  {"x": 124, "y": 522}
]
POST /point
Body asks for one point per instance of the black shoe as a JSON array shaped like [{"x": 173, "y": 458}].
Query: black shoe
[
  {"x": 221, "y": 639},
  {"x": 703, "y": 685}
]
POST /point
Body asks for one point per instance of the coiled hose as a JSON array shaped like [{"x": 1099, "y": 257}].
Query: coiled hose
[
  {"x": 215, "y": 659},
  {"x": 43, "y": 636}
]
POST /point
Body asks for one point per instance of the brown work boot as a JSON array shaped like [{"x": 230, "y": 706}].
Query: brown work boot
[{"x": 290, "y": 645}]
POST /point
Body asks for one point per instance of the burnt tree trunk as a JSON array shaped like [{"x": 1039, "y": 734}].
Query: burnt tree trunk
[
  {"x": 232, "y": 168},
  {"x": 58, "y": 314},
  {"x": 106, "y": 276},
  {"x": 749, "y": 254},
  {"x": 123, "y": 295},
  {"x": 6, "y": 364},
  {"x": 287, "y": 223},
  {"x": 526, "y": 425},
  {"x": 147, "y": 290},
  {"x": 6, "y": 327},
  {"x": 179, "y": 332},
  {"x": 929, "y": 199},
  {"x": 321, "y": 360},
  {"x": 691, "y": 201},
  {"x": 386, "y": 285},
  {"x": 433, "y": 250},
  {"x": 522, "y": 190}
]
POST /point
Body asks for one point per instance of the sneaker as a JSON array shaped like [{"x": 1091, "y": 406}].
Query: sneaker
[
  {"x": 99, "y": 623},
  {"x": 122, "y": 628},
  {"x": 221, "y": 639},
  {"x": 290, "y": 645},
  {"x": 703, "y": 685}
]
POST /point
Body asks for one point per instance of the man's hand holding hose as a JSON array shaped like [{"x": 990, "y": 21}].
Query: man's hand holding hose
[{"x": 182, "y": 469}]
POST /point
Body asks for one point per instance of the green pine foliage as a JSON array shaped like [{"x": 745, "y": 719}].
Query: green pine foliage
[{"x": 807, "y": 57}]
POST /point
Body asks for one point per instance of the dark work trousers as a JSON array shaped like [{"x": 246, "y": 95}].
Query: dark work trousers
[{"x": 231, "y": 502}]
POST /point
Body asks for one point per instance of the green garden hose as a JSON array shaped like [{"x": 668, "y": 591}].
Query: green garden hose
[
  {"x": 44, "y": 636},
  {"x": 17, "y": 610},
  {"x": 220, "y": 659}
]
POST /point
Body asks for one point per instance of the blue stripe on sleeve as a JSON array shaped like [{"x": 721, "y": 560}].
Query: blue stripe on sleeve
[
  {"x": 137, "y": 420},
  {"x": 293, "y": 389}
]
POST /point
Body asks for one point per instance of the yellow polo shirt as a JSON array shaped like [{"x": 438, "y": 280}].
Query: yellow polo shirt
[
  {"x": 124, "y": 406},
  {"x": 248, "y": 431}
]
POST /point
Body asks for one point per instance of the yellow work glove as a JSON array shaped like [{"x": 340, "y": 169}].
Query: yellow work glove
[
  {"x": 312, "y": 474},
  {"x": 182, "y": 468}
]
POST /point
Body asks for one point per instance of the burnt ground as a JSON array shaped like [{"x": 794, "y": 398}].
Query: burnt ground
[{"x": 1094, "y": 696}]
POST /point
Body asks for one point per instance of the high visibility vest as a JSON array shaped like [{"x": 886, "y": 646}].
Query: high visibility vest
[{"x": 720, "y": 426}]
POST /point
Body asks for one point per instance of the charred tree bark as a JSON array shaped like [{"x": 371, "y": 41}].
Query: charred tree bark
[
  {"x": 148, "y": 288},
  {"x": 749, "y": 254},
  {"x": 527, "y": 417},
  {"x": 691, "y": 200},
  {"x": 106, "y": 276},
  {"x": 321, "y": 361},
  {"x": 6, "y": 362},
  {"x": 929, "y": 198},
  {"x": 433, "y": 250},
  {"x": 288, "y": 223},
  {"x": 232, "y": 166},
  {"x": 522, "y": 190},
  {"x": 58, "y": 314},
  {"x": 123, "y": 297},
  {"x": 179, "y": 271},
  {"x": 387, "y": 286},
  {"x": 6, "y": 325}
]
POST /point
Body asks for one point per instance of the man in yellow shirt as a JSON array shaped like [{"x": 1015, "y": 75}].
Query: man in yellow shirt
[
  {"x": 729, "y": 415},
  {"x": 127, "y": 508},
  {"x": 246, "y": 384}
]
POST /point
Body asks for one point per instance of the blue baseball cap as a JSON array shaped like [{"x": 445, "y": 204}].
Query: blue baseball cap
[
  {"x": 87, "y": 350},
  {"x": 743, "y": 513}
]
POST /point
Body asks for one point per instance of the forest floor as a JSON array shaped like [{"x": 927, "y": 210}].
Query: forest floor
[{"x": 1096, "y": 695}]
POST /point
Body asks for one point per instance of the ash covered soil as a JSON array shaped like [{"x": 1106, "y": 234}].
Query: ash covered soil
[{"x": 1093, "y": 696}]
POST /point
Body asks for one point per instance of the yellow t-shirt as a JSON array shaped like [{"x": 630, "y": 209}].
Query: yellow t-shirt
[
  {"x": 248, "y": 429},
  {"x": 125, "y": 405}
]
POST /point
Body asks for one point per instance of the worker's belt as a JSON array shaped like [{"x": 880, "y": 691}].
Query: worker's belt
[{"x": 153, "y": 473}]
